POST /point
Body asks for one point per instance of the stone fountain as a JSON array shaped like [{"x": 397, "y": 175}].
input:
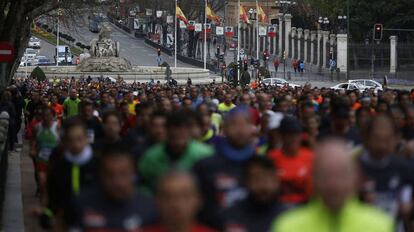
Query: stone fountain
[{"x": 104, "y": 55}]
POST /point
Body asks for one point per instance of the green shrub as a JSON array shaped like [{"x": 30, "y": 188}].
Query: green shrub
[{"x": 38, "y": 74}]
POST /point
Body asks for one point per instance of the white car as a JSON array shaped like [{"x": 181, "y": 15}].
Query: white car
[
  {"x": 34, "y": 43},
  {"x": 369, "y": 84},
  {"x": 29, "y": 62},
  {"x": 349, "y": 86},
  {"x": 278, "y": 82},
  {"x": 30, "y": 54}
]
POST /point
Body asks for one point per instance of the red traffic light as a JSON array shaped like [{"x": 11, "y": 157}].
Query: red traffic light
[{"x": 378, "y": 28}]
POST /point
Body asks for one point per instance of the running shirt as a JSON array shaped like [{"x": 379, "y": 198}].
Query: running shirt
[
  {"x": 71, "y": 107},
  {"x": 94, "y": 211},
  {"x": 194, "y": 228},
  {"x": 295, "y": 175},
  {"x": 389, "y": 181},
  {"x": 46, "y": 140},
  {"x": 248, "y": 216}
]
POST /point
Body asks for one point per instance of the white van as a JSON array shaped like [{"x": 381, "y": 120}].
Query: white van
[{"x": 64, "y": 55}]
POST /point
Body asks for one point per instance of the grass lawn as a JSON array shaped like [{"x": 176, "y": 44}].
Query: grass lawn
[{"x": 52, "y": 39}]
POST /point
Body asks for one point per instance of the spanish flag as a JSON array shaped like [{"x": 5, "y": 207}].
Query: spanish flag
[
  {"x": 262, "y": 15},
  {"x": 180, "y": 15},
  {"x": 212, "y": 16},
  {"x": 243, "y": 15}
]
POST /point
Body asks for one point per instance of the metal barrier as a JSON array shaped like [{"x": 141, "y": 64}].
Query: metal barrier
[{"x": 4, "y": 127}]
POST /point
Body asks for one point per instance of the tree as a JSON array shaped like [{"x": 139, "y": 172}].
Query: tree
[
  {"x": 16, "y": 17},
  {"x": 363, "y": 15}
]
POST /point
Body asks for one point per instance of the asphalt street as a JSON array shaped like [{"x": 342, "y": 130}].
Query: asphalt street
[{"x": 133, "y": 49}]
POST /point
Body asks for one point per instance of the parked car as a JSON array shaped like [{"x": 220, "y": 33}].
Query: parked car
[
  {"x": 29, "y": 62},
  {"x": 30, "y": 54},
  {"x": 349, "y": 86},
  {"x": 34, "y": 43},
  {"x": 278, "y": 82},
  {"x": 43, "y": 60},
  {"x": 369, "y": 84}
]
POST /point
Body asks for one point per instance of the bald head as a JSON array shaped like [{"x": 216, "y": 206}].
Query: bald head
[{"x": 335, "y": 173}]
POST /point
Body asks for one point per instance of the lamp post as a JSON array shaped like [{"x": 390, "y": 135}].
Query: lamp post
[
  {"x": 324, "y": 23},
  {"x": 342, "y": 21},
  {"x": 253, "y": 17}
]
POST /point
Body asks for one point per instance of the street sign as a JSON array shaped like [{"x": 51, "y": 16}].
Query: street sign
[
  {"x": 182, "y": 25},
  {"x": 6, "y": 52},
  {"x": 219, "y": 31},
  {"x": 262, "y": 31},
  {"x": 170, "y": 19},
  {"x": 241, "y": 51},
  {"x": 148, "y": 12},
  {"x": 198, "y": 27}
]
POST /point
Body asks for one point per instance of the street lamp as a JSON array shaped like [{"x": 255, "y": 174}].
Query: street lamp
[
  {"x": 284, "y": 6},
  {"x": 342, "y": 21},
  {"x": 324, "y": 23}
]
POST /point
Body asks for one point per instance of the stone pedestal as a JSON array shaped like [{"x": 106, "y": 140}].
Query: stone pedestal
[
  {"x": 104, "y": 64},
  {"x": 280, "y": 34},
  {"x": 325, "y": 37},
  {"x": 288, "y": 28},
  {"x": 293, "y": 37},
  {"x": 318, "y": 52},
  {"x": 312, "y": 55},
  {"x": 306, "y": 40},
  {"x": 342, "y": 52},
  {"x": 393, "y": 53},
  {"x": 332, "y": 41},
  {"x": 300, "y": 35}
]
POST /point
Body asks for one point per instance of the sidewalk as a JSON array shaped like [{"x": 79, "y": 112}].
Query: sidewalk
[{"x": 20, "y": 194}]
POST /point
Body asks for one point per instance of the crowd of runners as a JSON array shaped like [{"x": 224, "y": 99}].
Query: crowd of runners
[{"x": 112, "y": 156}]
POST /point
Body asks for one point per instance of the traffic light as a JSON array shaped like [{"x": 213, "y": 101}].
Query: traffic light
[
  {"x": 378, "y": 32},
  {"x": 245, "y": 65},
  {"x": 159, "y": 52},
  {"x": 66, "y": 50},
  {"x": 264, "y": 56},
  {"x": 218, "y": 51}
]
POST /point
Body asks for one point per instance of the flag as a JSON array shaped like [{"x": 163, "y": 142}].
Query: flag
[
  {"x": 180, "y": 15},
  {"x": 243, "y": 15},
  {"x": 262, "y": 15},
  {"x": 212, "y": 16}
]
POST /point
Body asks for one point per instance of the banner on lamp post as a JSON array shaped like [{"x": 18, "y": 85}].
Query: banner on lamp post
[
  {"x": 182, "y": 25},
  {"x": 229, "y": 32},
  {"x": 219, "y": 31},
  {"x": 159, "y": 13},
  {"x": 170, "y": 19},
  {"x": 198, "y": 27},
  {"x": 262, "y": 31}
]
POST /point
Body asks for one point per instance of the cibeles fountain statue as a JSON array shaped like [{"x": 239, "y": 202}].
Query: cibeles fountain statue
[{"x": 104, "y": 55}]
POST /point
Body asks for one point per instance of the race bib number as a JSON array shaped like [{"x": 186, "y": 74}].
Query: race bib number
[
  {"x": 91, "y": 136},
  {"x": 44, "y": 154}
]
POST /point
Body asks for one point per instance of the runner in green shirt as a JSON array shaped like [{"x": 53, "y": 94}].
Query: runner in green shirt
[{"x": 71, "y": 104}]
